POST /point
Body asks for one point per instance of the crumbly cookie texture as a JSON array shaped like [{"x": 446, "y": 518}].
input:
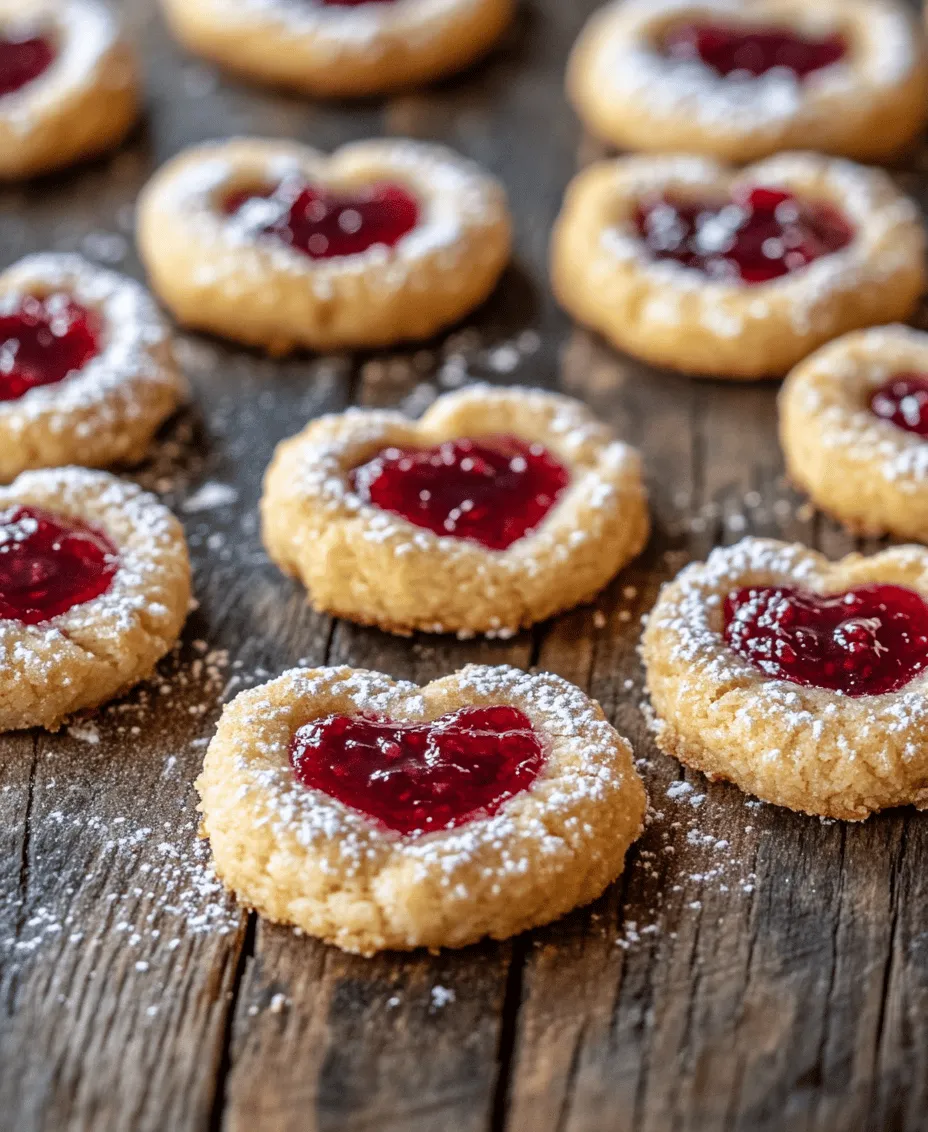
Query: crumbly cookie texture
[
  {"x": 107, "y": 412},
  {"x": 300, "y": 857},
  {"x": 810, "y": 749},
  {"x": 867, "y": 106},
  {"x": 87, "y": 100},
  {"x": 216, "y": 275},
  {"x": 98, "y": 649},
  {"x": 673, "y": 315},
  {"x": 339, "y": 51},
  {"x": 863, "y": 470},
  {"x": 374, "y": 567}
]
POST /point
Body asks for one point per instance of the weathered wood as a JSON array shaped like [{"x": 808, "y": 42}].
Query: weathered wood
[{"x": 752, "y": 970}]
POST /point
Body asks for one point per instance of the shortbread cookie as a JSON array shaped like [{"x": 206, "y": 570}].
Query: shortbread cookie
[
  {"x": 739, "y": 82},
  {"x": 497, "y": 509},
  {"x": 376, "y": 814},
  {"x": 854, "y": 430},
  {"x": 687, "y": 264},
  {"x": 86, "y": 371},
  {"x": 94, "y": 589},
  {"x": 68, "y": 84},
  {"x": 802, "y": 681},
  {"x": 276, "y": 245},
  {"x": 340, "y": 47}
]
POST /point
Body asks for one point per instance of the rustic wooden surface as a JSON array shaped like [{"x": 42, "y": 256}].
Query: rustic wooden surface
[{"x": 752, "y": 969}]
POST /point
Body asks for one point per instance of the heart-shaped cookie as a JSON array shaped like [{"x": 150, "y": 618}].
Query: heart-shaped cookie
[
  {"x": 500, "y": 507},
  {"x": 86, "y": 371},
  {"x": 376, "y": 814},
  {"x": 740, "y": 82},
  {"x": 276, "y": 245},
  {"x": 854, "y": 430},
  {"x": 340, "y": 47},
  {"x": 68, "y": 84},
  {"x": 736, "y": 274},
  {"x": 801, "y": 680},
  {"x": 94, "y": 590}
]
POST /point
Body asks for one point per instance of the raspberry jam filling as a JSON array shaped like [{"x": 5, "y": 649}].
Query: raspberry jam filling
[
  {"x": 865, "y": 642},
  {"x": 903, "y": 401},
  {"x": 494, "y": 490},
  {"x": 22, "y": 60},
  {"x": 758, "y": 235},
  {"x": 324, "y": 224},
  {"x": 752, "y": 51},
  {"x": 44, "y": 340},
  {"x": 414, "y": 778},
  {"x": 50, "y": 563}
]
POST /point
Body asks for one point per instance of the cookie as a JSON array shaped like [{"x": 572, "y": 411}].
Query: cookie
[
  {"x": 854, "y": 426},
  {"x": 68, "y": 84},
  {"x": 803, "y": 681},
  {"x": 740, "y": 82},
  {"x": 379, "y": 815},
  {"x": 86, "y": 370},
  {"x": 276, "y": 245},
  {"x": 497, "y": 509},
  {"x": 94, "y": 590},
  {"x": 688, "y": 264},
  {"x": 339, "y": 48}
]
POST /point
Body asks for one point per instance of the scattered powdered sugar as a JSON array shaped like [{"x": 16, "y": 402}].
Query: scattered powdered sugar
[
  {"x": 210, "y": 496},
  {"x": 441, "y": 997}
]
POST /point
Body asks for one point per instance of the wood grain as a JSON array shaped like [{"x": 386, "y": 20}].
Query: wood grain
[{"x": 752, "y": 969}]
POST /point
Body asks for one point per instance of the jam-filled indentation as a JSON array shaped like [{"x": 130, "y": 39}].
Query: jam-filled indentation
[
  {"x": 23, "y": 60},
  {"x": 416, "y": 778},
  {"x": 746, "y": 51},
  {"x": 44, "y": 340},
  {"x": 903, "y": 401},
  {"x": 50, "y": 563},
  {"x": 323, "y": 224},
  {"x": 757, "y": 235},
  {"x": 866, "y": 641},
  {"x": 493, "y": 490}
]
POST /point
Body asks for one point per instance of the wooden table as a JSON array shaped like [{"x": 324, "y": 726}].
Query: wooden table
[{"x": 753, "y": 969}]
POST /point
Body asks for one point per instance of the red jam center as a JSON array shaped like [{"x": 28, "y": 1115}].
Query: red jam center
[
  {"x": 22, "y": 60},
  {"x": 49, "y": 564},
  {"x": 322, "y": 224},
  {"x": 494, "y": 490},
  {"x": 418, "y": 777},
  {"x": 43, "y": 341},
  {"x": 864, "y": 642},
  {"x": 903, "y": 401},
  {"x": 758, "y": 235},
  {"x": 752, "y": 50}
]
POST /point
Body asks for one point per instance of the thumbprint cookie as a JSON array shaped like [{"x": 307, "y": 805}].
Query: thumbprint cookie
[
  {"x": 94, "y": 590},
  {"x": 279, "y": 246},
  {"x": 377, "y": 815},
  {"x": 497, "y": 509},
  {"x": 854, "y": 430},
  {"x": 735, "y": 274},
  {"x": 86, "y": 370},
  {"x": 802, "y": 681},
  {"x": 340, "y": 47},
  {"x": 68, "y": 84},
  {"x": 741, "y": 81}
]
